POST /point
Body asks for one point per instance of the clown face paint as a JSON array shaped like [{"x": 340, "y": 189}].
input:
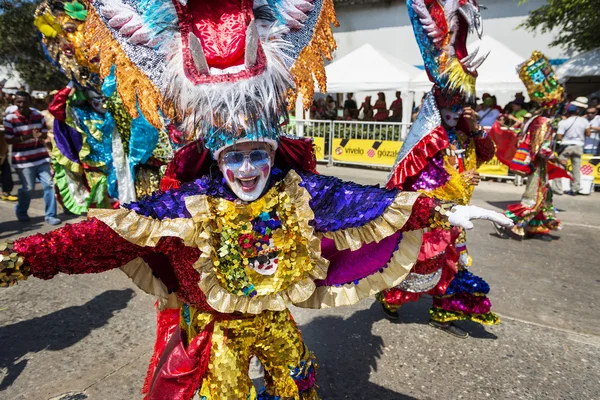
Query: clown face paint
[
  {"x": 96, "y": 101},
  {"x": 451, "y": 115},
  {"x": 246, "y": 169}
]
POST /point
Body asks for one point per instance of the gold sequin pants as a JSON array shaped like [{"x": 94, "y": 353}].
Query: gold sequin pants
[{"x": 274, "y": 339}]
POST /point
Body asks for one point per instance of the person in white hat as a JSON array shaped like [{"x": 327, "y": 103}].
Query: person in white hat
[{"x": 571, "y": 134}]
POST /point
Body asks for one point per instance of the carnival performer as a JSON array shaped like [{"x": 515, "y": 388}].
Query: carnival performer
[
  {"x": 440, "y": 157},
  {"x": 532, "y": 156},
  {"x": 100, "y": 155},
  {"x": 244, "y": 226}
]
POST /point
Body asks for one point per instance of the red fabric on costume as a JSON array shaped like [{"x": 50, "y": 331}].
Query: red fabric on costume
[
  {"x": 484, "y": 149},
  {"x": 58, "y": 105},
  {"x": 190, "y": 162},
  {"x": 418, "y": 157},
  {"x": 506, "y": 143},
  {"x": 82, "y": 248},
  {"x": 166, "y": 324},
  {"x": 297, "y": 153},
  {"x": 181, "y": 368},
  {"x": 556, "y": 171},
  {"x": 420, "y": 215}
]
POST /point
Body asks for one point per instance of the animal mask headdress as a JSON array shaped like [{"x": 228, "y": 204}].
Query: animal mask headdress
[
  {"x": 220, "y": 69},
  {"x": 441, "y": 28},
  {"x": 61, "y": 25}
]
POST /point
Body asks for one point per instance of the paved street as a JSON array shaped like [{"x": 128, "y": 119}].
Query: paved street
[{"x": 92, "y": 335}]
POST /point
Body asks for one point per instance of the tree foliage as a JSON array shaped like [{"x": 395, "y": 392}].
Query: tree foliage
[
  {"x": 576, "y": 23},
  {"x": 20, "y": 46}
]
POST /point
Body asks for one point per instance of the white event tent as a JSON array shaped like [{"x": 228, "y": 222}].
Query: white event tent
[
  {"x": 581, "y": 74},
  {"x": 367, "y": 69}
]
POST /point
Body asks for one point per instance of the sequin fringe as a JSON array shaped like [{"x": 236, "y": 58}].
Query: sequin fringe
[
  {"x": 310, "y": 65},
  {"x": 131, "y": 82}
]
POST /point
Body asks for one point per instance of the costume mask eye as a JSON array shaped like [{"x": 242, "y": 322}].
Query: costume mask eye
[{"x": 257, "y": 158}]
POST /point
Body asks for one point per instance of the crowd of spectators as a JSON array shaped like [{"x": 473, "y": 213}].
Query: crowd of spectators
[{"x": 327, "y": 109}]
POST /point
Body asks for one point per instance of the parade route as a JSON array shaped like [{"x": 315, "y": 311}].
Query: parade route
[{"x": 91, "y": 336}]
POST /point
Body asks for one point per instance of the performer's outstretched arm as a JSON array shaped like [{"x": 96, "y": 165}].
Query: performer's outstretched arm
[{"x": 86, "y": 247}]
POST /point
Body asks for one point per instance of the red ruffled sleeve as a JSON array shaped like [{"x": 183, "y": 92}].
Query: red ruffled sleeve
[
  {"x": 418, "y": 157},
  {"x": 86, "y": 247}
]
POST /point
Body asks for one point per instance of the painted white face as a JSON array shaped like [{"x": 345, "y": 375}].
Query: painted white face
[
  {"x": 246, "y": 168},
  {"x": 451, "y": 115},
  {"x": 96, "y": 101}
]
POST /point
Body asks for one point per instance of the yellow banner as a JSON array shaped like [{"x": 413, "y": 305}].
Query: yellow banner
[
  {"x": 319, "y": 145},
  {"x": 590, "y": 165},
  {"x": 493, "y": 168},
  {"x": 362, "y": 151}
]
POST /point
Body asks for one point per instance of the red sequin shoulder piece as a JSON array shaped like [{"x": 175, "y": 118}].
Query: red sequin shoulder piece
[
  {"x": 421, "y": 214},
  {"x": 86, "y": 247}
]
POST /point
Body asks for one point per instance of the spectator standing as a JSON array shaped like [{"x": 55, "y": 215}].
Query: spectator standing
[
  {"x": 518, "y": 112},
  {"x": 330, "y": 108},
  {"x": 367, "y": 109},
  {"x": 571, "y": 134},
  {"x": 381, "y": 108},
  {"x": 488, "y": 114},
  {"x": 350, "y": 107},
  {"x": 6, "y": 180},
  {"x": 25, "y": 129},
  {"x": 591, "y": 142},
  {"x": 396, "y": 108}
]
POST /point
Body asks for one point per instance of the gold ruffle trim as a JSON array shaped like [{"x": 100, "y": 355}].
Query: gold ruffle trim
[
  {"x": 397, "y": 268},
  {"x": 141, "y": 274},
  {"x": 131, "y": 82},
  {"x": 222, "y": 300},
  {"x": 145, "y": 231},
  {"x": 309, "y": 65},
  {"x": 458, "y": 189},
  {"x": 388, "y": 223}
]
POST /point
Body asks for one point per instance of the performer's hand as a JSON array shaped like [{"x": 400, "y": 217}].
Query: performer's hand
[
  {"x": 472, "y": 177},
  {"x": 37, "y": 134},
  {"x": 472, "y": 119},
  {"x": 462, "y": 215}
]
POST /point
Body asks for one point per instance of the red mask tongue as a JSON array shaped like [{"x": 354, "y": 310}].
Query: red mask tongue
[{"x": 221, "y": 27}]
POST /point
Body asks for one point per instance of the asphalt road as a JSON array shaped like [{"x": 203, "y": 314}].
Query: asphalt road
[{"x": 92, "y": 335}]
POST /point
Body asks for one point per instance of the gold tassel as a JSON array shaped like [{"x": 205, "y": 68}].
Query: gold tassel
[
  {"x": 131, "y": 82},
  {"x": 310, "y": 65}
]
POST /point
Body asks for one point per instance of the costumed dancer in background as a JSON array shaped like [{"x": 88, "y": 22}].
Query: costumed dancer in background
[
  {"x": 530, "y": 154},
  {"x": 440, "y": 157},
  {"x": 99, "y": 154},
  {"x": 247, "y": 227}
]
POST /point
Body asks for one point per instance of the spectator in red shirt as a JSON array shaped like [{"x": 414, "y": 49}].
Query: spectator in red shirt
[
  {"x": 396, "y": 108},
  {"x": 26, "y": 130}
]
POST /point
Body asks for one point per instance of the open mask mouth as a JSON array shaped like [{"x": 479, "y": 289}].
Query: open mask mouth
[
  {"x": 468, "y": 20},
  {"x": 220, "y": 40},
  {"x": 248, "y": 184}
]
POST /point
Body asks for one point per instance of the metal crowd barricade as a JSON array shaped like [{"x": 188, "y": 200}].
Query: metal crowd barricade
[{"x": 332, "y": 137}]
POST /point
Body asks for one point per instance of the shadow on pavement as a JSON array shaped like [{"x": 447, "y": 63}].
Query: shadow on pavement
[
  {"x": 503, "y": 205},
  {"x": 418, "y": 313},
  {"x": 15, "y": 227},
  {"x": 347, "y": 352},
  {"x": 56, "y": 331}
]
